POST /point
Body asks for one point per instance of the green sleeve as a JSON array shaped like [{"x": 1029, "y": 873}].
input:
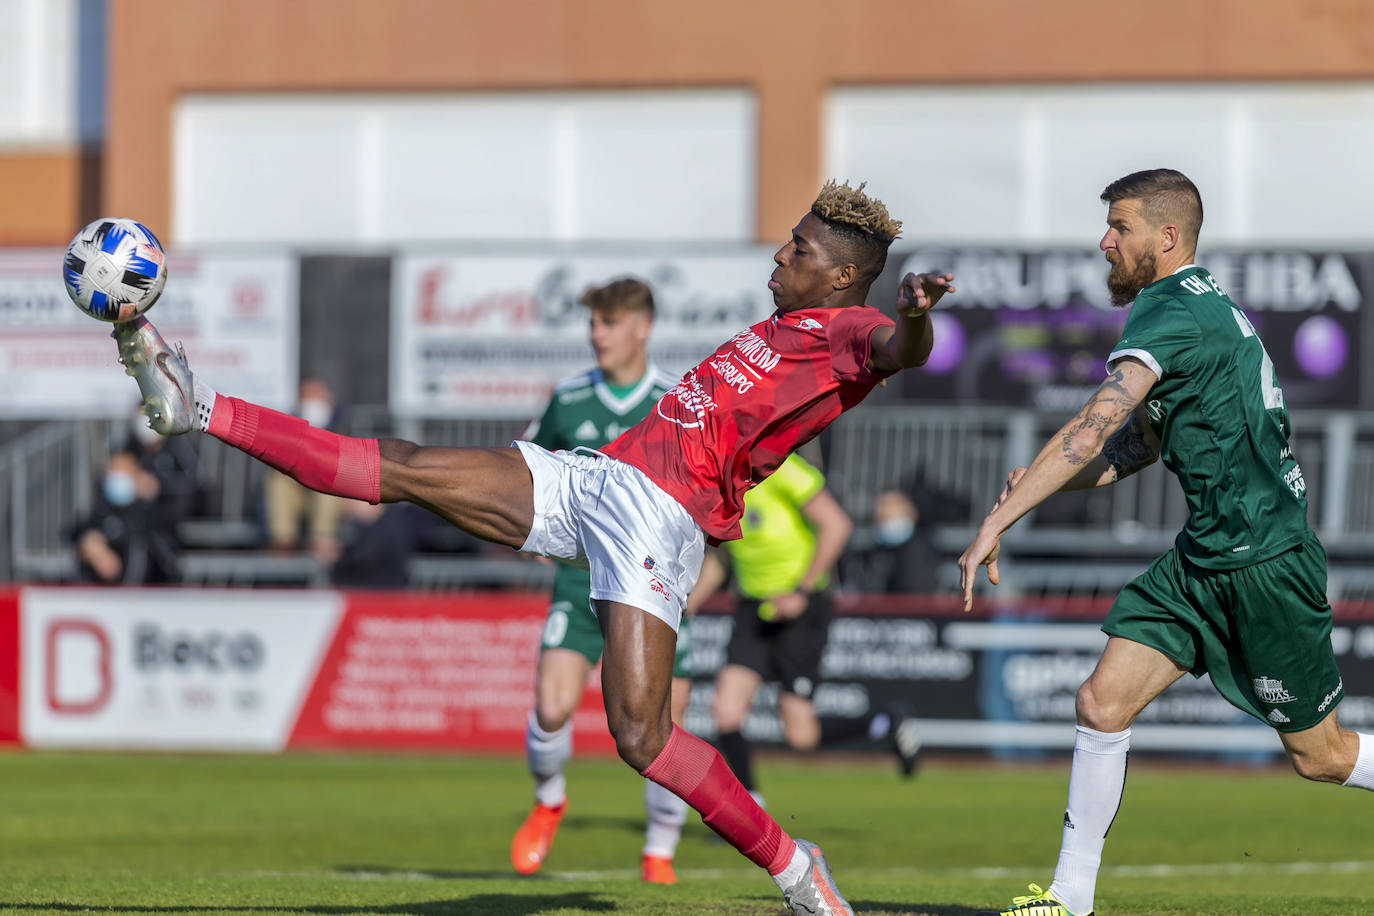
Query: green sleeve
[{"x": 1161, "y": 333}]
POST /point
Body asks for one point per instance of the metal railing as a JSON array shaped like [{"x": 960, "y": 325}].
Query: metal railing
[{"x": 1075, "y": 542}]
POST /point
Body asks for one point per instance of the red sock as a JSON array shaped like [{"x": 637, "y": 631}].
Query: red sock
[
  {"x": 698, "y": 774},
  {"x": 317, "y": 458}
]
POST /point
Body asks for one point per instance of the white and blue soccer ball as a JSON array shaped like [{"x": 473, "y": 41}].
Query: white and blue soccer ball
[{"x": 114, "y": 269}]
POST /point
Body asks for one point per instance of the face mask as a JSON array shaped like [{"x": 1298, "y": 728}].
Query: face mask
[
  {"x": 894, "y": 531},
  {"x": 316, "y": 412},
  {"x": 120, "y": 489}
]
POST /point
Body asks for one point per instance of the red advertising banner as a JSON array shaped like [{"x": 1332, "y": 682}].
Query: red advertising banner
[
  {"x": 435, "y": 672},
  {"x": 9, "y": 665}
]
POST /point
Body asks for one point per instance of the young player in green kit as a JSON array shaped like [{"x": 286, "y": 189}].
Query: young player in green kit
[
  {"x": 1242, "y": 595},
  {"x": 587, "y": 411}
]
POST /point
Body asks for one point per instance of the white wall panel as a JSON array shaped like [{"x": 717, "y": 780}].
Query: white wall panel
[
  {"x": 38, "y": 68},
  {"x": 255, "y": 170},
  {"x": 1274, "y": 163},
  {"x": 487, "y": 166}
]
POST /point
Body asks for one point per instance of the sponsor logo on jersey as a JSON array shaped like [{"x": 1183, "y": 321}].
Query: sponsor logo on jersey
[
  {"x": 1270, "y": 690},
  {"x": 1326, "y": 700},
  {"x": 577, "y": 394},
  {"x": 648, "y": 562},
  {"x": 809, "y": 324},
  {"x": 692, "y": 397},
  {"x": 657, "y": 586},
  {"x": 587, "y": 430},
  {"x": 755, "y": 350}
]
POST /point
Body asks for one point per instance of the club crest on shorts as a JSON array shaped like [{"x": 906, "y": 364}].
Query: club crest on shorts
[
  {"x": 648, "y": 562},
  {"x": 1270, "y": 690}
]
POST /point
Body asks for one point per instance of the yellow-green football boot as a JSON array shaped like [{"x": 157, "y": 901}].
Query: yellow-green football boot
[{"x": 1037, "y": 903}]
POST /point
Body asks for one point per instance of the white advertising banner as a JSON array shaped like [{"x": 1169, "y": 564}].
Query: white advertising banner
[
  {"x": 169, "y": 669},
  {"x": 236, "y": 315},
  {"x": 489, "y": 335}
]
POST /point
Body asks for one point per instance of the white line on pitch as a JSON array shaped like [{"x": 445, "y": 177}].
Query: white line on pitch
[{"x": 990, "y": 873}]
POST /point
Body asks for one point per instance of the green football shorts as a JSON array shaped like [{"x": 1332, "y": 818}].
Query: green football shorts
[
  {"x": 572, "y": 625},
  {"x": 1262, "y": 632}
]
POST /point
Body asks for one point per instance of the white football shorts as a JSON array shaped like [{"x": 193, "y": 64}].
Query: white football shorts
[{"x": 604, "y": 515}]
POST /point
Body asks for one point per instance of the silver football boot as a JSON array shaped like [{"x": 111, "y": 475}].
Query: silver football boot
[
  {"x": 815, "y": 893},
  {"x": 164, "y": 379}
]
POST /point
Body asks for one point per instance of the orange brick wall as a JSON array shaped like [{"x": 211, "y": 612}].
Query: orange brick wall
[{"x": 788, "y": 51}]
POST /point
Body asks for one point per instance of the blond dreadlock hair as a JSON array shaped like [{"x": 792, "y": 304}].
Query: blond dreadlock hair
[{"x": 840, "y": 205}]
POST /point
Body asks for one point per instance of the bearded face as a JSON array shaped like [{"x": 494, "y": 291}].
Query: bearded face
[{"x": 1128, "y": 277}]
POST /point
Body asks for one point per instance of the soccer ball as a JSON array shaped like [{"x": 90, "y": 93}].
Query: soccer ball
[{"x": 114, "y": 269}]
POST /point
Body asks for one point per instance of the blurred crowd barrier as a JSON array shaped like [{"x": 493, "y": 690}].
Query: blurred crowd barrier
[{"x": 952, "y": 462}]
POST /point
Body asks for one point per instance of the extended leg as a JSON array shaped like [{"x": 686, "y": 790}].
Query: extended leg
[
  {"x": 559, "y": 681},
  {"x": 1128, "y": 676},
  {"x": 1328, "y": 753},
  {"x": 635, "y": 672},
  {"x": 735, "y": 689},
  {"x": 664, "y": 811},
  {"x": 486, "y": 492}
]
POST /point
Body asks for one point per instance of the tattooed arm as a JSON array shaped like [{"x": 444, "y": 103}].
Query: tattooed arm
[
  {"x": 1131, "y": 448},
  {"x": 1094, "y": 448}
]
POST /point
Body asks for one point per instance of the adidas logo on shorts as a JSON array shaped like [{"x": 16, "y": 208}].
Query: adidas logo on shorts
[{"x": 1278, "y": 718}]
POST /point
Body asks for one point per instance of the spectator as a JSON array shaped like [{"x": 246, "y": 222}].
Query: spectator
[
  {"x": 292, "y": 507},
  {"x": 900, "y": 559},
  {"x": 173, "y": 461},
  {"x": 377, "y": 542},
  {"x": 127, "y": 539}
]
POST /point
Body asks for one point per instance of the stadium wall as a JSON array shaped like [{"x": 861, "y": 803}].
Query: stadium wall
[
  {"x": 267, "y": 671},
  {"x": 788, "y": 53}
]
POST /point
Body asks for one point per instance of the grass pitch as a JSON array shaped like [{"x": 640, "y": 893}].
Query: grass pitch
[{"x": 429, "y": 835}]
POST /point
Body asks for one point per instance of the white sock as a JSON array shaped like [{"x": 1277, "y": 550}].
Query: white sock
[
  {"x": 1096, "y": 781},
  {"x": 794, "y": 870},
  {"x": 757, "y": 796},
  {"x": 666, "y": 814},
  {"x": 547, "y": 753},
  {"x": 205, "y": 403},
  {"x": 1362, "y": 777}
]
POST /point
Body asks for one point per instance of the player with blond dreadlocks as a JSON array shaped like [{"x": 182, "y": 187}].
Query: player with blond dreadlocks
[{"x": 638, "y": 514}]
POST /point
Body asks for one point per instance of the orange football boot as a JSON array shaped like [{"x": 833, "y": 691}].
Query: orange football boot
[
  {"x": 535, "y": 836},
  {"x": 657, "y": 870}
]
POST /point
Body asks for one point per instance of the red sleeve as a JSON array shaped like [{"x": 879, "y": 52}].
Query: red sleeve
[{"x": 850, "y": 333}]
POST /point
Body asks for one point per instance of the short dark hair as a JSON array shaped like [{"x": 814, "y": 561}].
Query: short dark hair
[
  {"x": 1165, "y": 195},
  {"x": 861, "y": 226},
  {"x": 628, "y": 293}
]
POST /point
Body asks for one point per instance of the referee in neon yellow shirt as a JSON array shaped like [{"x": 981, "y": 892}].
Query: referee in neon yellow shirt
[{"x": 793, "y": 532}]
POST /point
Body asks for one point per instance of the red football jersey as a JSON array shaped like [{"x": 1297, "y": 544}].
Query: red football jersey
[{"x": 732, "y": 420}]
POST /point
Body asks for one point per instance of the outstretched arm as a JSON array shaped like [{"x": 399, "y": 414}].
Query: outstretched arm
[
  {"x": 1073, "y": 456},
  {"x": 1131, "y": 448},
  {"x": 908, "y": 344}
]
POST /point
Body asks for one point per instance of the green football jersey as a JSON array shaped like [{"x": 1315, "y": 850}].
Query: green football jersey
[
  {"x": 1220, "y": 417},
  {"x": 585, "y": 413}
]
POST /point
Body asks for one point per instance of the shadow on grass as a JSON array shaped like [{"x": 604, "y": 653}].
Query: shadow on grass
[
  {"x": 890, "y": 908},
  {"x": 438, "y": 874},
  {"x": 476, "y": 905}
]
